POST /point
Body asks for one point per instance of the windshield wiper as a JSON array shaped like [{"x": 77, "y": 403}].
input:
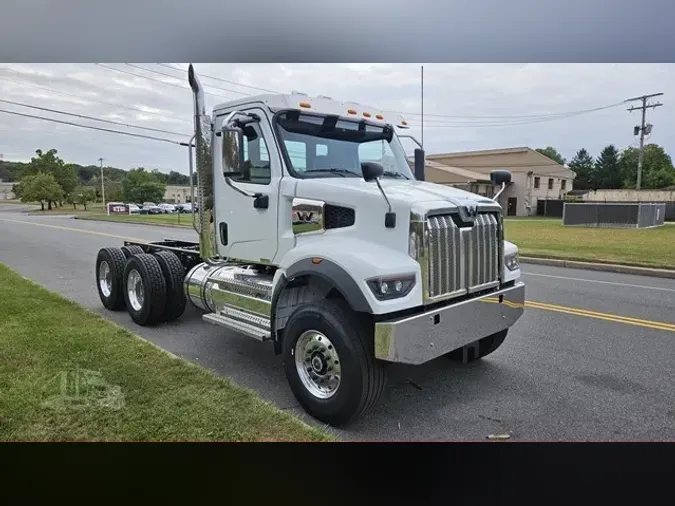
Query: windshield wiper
[
  {"x": 393, "y": 173},
  {"x": 335, "y": 170}
]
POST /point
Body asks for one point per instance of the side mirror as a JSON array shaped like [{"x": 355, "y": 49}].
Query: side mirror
[
  {"x": 419, "y": 164},
  {"x": 371, "y": 171},
  {"x": 232, "y": 151},
  {"x": 500, "y": 177}
]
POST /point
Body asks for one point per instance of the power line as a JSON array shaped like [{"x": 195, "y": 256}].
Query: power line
[
  {"x": 91, "y": 127},
  {"x": 56, "y": 111},
  {"x": 221, "y": 79},
  {"x": 112, "y": 104},
  {"x": 156, "y": 80},
  {"x": 174, "y": 77}
]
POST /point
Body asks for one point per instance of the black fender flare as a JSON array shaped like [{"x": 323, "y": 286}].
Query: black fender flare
[{"x": 329, "y": 272}]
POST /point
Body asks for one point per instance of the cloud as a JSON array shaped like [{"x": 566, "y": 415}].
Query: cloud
[{"x": 480, "y": 97}]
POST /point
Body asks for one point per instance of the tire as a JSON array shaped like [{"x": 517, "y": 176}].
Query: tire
[
  {"x": 132, "y": 250},
  {"x": 486, "y": 346},
  {"x": 174, "y": 275},
  {"x": 111, "y": 291},
  {"x": 362, "y": 378},
  {"x": 145, "y": 268}
]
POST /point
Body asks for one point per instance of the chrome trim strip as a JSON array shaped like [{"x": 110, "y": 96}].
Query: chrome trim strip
[
  {"x": 308, "y": 216},
  {"x": 423, "y": 337}
]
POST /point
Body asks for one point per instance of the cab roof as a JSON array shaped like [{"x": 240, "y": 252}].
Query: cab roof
[{"x": 319, "y": 105}]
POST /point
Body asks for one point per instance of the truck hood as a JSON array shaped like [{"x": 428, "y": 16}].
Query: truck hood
[{"x": 401, "y": 192}]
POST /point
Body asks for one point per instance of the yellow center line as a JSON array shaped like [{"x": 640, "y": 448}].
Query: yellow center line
[{"x": 627, "y": 320}]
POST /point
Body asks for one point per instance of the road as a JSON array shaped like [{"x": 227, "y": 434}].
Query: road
[{"x": 562, "y": 374}]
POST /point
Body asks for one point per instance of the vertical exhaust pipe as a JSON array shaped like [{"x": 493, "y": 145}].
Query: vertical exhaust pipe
[{"x": 205, "y": 200}]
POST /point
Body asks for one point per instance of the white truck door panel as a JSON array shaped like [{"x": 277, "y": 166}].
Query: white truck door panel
[{"x": 251, "y": 234}]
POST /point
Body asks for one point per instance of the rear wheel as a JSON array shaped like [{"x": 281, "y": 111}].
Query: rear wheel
[
  {"x": 110, "y": 277},
  {"x": 484, "y": 347},
  {"x": 174, "y": 275},
  {"x": 132, "y": 250},
  {"x": 330, "y": 363},
  {"x": 144, "y": 289}
]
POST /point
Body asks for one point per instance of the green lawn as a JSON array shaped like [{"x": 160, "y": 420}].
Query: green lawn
[
  {"x": 550, "y": 239},
  {"x": 97, "y": 212},
  {"x": 68, "y": 374}
]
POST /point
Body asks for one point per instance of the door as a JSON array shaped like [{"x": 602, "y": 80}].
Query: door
[
  {"x": 246, "y": 228},
  {"x": 511, "y": 206}
]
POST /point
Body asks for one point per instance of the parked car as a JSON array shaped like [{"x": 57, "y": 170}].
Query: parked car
[
  {"x": 153, "y": 209},
  {"x": 134, "y": 209},
  {"x": 186, "y": 208},
  {"x": 167, "y": 208}
]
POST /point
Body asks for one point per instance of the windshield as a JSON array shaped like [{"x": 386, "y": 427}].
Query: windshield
[{"x": 325, "y": 146}]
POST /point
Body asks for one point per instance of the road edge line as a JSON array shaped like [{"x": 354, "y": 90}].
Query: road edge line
[{"x": 594, "y": 266}]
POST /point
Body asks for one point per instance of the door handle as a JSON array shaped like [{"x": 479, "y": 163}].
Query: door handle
[{"x": 261, "y": 201}]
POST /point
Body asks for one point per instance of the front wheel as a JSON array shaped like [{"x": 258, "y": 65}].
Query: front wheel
[{"x": 330, "y": 363}]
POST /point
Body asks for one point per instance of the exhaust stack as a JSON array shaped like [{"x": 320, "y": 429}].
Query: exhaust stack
[{"x": 205, "y": 201}]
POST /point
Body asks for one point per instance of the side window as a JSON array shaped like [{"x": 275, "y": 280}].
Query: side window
[
  {"x": 297, "y": 151},
  {"x": 258, "y": 169}
]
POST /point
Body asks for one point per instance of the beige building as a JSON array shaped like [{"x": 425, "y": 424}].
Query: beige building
[
  {"x": 177, "y": 194},
  {"x": 6, "y": 192},
  {"x": 535, "y": 176}
]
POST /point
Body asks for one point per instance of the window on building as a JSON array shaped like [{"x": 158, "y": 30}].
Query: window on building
[
  {"x": 562, "y": 184},
  {"x": 550, "y": 183},
  {"x": 536, "y": 183}
]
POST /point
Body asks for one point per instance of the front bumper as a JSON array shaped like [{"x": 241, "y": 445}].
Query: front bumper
[{"x": 423, "y": 337}]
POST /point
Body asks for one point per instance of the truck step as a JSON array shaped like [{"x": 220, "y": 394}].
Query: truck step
[{"x": 248, "y": 329}]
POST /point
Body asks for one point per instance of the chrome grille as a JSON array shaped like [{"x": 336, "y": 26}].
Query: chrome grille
[{"x": 461, "y": 259}]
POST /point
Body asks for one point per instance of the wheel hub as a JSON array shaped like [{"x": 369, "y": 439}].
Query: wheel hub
[
  {"x": 318, "y": 364},
  {"x": 105, "y": 278},
  {"x": 135, "y": 290}
]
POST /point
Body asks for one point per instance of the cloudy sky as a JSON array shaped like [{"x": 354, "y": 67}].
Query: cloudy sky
[{"x": 467, "y": 106}]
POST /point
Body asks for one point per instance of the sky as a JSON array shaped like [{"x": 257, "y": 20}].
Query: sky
[{"x": 466, "y": 106}]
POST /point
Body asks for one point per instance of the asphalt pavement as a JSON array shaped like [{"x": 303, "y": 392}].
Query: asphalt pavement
[{"x": 592, "y": 358}]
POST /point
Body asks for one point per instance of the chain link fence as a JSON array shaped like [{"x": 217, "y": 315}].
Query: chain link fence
[{"x": 613, "y": 215}]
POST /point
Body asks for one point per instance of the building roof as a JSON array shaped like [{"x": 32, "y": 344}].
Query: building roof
[{"x": 513, "y": 159}]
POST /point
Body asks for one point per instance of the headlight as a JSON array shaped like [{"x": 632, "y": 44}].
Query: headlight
[
  {"x": 391, "y": 287},
  {"x": 511, "y": 261}
]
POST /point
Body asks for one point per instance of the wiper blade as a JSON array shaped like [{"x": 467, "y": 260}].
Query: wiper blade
[
  {"x": 393, "y": 173},
  {"x": 335, "y": 170}
]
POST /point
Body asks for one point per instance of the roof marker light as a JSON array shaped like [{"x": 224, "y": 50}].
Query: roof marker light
[
  {"x": 351, "y": 111},
  {"x": 367, "y": 114},
  {"x": 306, "y": 105},
  {"x": 379, "y": 116}
]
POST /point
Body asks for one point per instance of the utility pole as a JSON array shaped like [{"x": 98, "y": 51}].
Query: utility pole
[
  {"x": 641, "y": 129},
  {"x": 422, "y": 86},
  {"x": 102, "y": 187}
]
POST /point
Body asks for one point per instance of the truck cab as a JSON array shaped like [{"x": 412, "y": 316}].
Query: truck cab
[{"x": 315, "y": 234}]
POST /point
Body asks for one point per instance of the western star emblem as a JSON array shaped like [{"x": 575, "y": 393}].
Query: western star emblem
[{"x": 471, "y": 210}]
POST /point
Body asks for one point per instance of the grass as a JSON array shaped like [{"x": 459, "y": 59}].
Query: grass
[
  {"x": 97, "y": 212},
  {"x": 550, "y": 239},
  {"x": 68, "y": 374}
]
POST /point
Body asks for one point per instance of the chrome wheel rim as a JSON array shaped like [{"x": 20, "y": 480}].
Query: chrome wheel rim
[
  {"x": 105, "y": 279},
  {"x": 135, "y": 290},
  {"x": 318, "y": 364}
]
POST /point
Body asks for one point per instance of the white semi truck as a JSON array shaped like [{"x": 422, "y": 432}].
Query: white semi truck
[{"x": 315, "y": 235}]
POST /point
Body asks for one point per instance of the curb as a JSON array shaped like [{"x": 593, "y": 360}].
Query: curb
[
  {"x": 593, "y": 266},
  {"x": 167, "y": 225}
]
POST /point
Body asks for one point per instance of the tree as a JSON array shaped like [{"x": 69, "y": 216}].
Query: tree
[
  {"x": 40, "y": 187},
  {"x": 552, "y": 153},
  {"x": 82, "y": 195},
  {"x": 657, "y": 168},
  {"x": 49, "y": 163},
  {"x": 142, "y": 186},
  {"x": 582, "y": 164},
  {"x": 607, "y": 170}
]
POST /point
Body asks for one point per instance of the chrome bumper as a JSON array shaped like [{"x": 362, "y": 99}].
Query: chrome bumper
[{"x": 420, "y": 338}]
